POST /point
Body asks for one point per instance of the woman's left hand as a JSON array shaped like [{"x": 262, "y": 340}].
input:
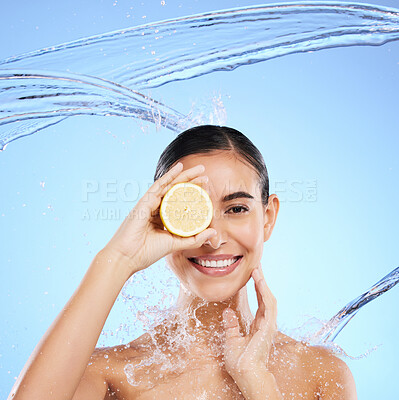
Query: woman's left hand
[{"x": 247, "y": 354}]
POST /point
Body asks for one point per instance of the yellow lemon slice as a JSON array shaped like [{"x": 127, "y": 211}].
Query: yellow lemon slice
[{"x": 186, "y": 209}]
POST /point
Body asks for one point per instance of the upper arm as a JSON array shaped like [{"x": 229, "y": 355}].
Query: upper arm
[
  {"x": 93, "y": 384},
  {"x": 336, "y": 381}
]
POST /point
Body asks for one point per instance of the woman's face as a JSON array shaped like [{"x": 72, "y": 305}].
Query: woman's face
[{"x": 242, "y": 226}]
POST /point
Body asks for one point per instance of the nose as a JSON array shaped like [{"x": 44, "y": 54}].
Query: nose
[{"x": 220, "y": 238}]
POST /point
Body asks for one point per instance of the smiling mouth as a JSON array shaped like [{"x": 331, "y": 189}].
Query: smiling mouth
[{"x": 215, "y": 264}]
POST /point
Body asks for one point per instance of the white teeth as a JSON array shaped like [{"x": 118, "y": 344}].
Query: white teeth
[{"x": 215, "y": 264}]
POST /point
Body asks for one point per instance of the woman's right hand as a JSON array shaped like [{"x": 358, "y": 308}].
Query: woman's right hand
[{"x": 141, "y": 239}]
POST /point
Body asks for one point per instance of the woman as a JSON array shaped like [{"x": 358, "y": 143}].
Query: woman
[{"x": 212, "y": 347}]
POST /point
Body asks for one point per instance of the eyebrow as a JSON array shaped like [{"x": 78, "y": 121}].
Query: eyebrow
[{"x": 236, "y": 195}]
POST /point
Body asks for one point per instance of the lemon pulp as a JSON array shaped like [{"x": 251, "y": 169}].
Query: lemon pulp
[{"x": 186, "y": 209}]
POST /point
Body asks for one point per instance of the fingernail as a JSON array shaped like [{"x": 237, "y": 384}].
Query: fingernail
[{"x": 177, "y": 165}]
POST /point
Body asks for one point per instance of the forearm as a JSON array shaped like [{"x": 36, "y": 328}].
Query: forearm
[
  {"x": 259, "y": 384},
  {"x": 59, "y": 360}
]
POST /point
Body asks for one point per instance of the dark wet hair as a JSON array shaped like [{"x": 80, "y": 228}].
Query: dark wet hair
[{"x": 208, "y": 138}]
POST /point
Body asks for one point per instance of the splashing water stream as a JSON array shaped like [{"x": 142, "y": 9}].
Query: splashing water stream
[
  {"x": 335, "y": 325},
  {"x": 42, "y": 88}
]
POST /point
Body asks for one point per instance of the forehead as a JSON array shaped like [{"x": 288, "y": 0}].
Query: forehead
[{"x": 227, "y": 173}]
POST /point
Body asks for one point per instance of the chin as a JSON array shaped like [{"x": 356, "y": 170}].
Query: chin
[
  {"x": 215, "y": 295},
  {"x": 215, "y": 298}
]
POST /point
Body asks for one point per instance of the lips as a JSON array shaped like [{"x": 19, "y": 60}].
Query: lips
[{"x": 216, "y": 271}]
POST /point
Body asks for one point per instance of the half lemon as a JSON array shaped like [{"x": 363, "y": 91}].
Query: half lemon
[{"x": 186, "y": 209}]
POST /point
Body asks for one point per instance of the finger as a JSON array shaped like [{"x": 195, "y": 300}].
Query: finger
[
  {"x": 257, "y": 281},
  {"x": 266, "y": 315},
  {"x": 200, "y": 180},
  {"x": 262, "y": 336},
  {"x": 152, "y": 197},
  {"x": 270, "y": 312},
  {"x": 264, "y": 326},
  {"x": 257, "y": 269},
  {"x": 175, "y": 175},
  {"x": 167, "y": 177},
  {"x": 185, "y": 176},
  {"x": 261, "y": 343},
  {"x": 192, "y": 242},
  {"x": 231, "y": 325},
  {"x": 268, "y": 298},
  {"x": 268, "y": 301}
]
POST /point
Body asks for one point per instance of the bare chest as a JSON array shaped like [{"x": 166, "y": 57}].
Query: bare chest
[
  {"x": 200, "y": 380},
  {"x": 168, "y": 377},
  {"x": 195, "y": 383}
]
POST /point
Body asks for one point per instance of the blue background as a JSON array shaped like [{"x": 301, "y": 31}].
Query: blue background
[{"x": 327, "y": 117}]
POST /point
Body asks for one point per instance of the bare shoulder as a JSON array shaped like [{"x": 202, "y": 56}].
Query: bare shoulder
[
  {"x": 335, "y": 378},
  {"x": 109, "y": 360},
  {"x": 104, "y": 357},
  {"x": 94, "y": 384},
  {"x": 326, "y": 373},
  {"x": 107, "y": 365}
]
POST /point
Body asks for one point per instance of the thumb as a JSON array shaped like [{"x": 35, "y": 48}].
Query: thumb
[
  {"x": 231, "y": 325},
  {"x": 193, "y": 242}
]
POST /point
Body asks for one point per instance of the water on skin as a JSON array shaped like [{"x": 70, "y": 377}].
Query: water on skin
[
  {"x": 44, "y": 87},
  {"x": 173, "y": 352},
  {"x": 180, "y": 342}
]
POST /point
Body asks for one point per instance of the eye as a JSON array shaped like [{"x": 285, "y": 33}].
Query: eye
[{"x": 239, "y": 208}]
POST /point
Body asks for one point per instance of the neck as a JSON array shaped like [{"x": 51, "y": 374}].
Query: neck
[{"x": 204, "y": 320}]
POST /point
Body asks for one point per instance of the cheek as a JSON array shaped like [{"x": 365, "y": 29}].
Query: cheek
[
  {"x": 249, "y": 233},
  {"x": 175, "y": 263}
]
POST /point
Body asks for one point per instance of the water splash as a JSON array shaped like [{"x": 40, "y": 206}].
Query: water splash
[
  {"x": 174, "y": 346},
  {"x": 176, "y": 330},
  {"x": 35, "y": 100},
  {"x": 334, "y": 326},
  {"x": 119, "y": 63},
  {"x": 318, "y": 332},
  {"x": 151, "y": 55}
]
